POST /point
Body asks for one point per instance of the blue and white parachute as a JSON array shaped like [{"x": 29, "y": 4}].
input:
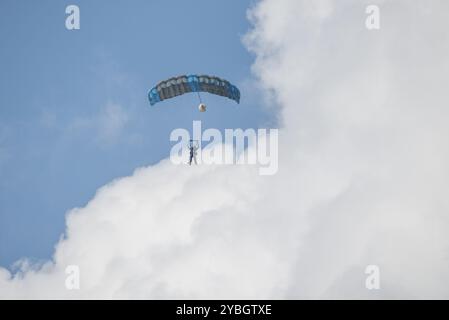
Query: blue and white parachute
[{"x": 193, "y": 83}]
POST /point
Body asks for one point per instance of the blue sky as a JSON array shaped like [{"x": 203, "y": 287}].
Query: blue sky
[{"x": 74, "y": 113}]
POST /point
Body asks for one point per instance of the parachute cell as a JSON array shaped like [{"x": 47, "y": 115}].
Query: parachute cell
[{"x": 193, "y": 83}]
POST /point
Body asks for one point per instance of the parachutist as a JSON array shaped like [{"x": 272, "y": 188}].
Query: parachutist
[
  {"x": 193, "y": 148},
  {"x": 183, "y": 84}
]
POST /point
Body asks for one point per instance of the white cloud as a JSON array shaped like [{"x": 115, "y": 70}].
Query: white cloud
[
  {"x": 363, "y": 177},
  {"x": 107, "y": 125},
  {"x": 111, "y": 122}
]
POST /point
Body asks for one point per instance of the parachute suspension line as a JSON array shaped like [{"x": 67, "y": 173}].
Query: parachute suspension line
[{"x": 199, "y": 96}]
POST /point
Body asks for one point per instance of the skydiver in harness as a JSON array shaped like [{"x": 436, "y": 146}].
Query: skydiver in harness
[{"x": 193, "y": 148}]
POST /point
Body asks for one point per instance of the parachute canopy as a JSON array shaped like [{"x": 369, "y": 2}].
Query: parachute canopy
[{"x": 193, "y": 83}]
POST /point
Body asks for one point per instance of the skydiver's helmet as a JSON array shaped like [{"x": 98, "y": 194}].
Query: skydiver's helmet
[{"x": 202, "y": 107}]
